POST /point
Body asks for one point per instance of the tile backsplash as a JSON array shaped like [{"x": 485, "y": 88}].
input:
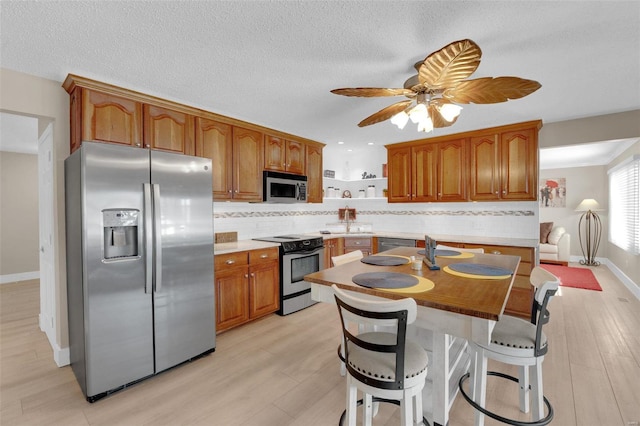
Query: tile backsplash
[{"x": 505, "y": 219}]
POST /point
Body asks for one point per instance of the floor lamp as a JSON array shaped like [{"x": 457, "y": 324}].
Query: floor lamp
[{"x": 590, "y": 233}]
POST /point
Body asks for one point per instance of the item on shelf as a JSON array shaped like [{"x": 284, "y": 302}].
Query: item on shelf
[
  {"x": 361, "y": 193},
  {"x": 330, "y": 173},
  {"x": 368, "y": 176},
  {"x": 336, "y": 192},
  {"x": 371, "y": 191},
  {"x": 330, "y": 192},
  {"x": 346, "y": 194}
]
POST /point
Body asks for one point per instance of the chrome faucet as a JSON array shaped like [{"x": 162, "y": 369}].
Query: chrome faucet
[{"x": 346, "y": 218}]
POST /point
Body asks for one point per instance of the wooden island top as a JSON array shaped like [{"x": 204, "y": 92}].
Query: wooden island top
[{"x": 482, "y": 298}]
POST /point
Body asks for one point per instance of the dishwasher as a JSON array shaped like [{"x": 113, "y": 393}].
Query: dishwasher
[{"x": 385, "y": 244}]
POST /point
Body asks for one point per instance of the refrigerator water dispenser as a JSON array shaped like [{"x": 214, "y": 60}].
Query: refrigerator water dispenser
[{"x": 120, "y": 229}]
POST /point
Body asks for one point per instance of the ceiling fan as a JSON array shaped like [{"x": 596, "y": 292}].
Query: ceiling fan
[{"x": 439, "y": 85}]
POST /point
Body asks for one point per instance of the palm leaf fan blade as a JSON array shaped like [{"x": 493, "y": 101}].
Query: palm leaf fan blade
[
  {"x": 385, "y": 113},
  {"x": 372, "y": 92},
  {"x": 437, "y": 119},
  {"x": 491, "y": 90},
  {"x": 450, "y": 65}
]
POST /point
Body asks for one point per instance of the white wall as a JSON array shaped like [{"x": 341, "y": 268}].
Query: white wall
[
  {"x": 19, "y": 239},
  {"x": 47, "y": 101},
  {"x": 581, "y": 183}
]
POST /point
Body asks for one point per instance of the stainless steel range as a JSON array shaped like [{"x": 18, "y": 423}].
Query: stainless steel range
[{"x": 299, "y": 255}]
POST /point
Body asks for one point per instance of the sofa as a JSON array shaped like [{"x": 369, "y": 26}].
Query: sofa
[{"x": 555, "y": 244}]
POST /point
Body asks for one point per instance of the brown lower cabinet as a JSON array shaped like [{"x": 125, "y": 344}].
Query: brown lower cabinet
[
  {"x": 358, "y": 243},
  {"x": 247, "y": 286},
  {"x": 332, "y": 247}
]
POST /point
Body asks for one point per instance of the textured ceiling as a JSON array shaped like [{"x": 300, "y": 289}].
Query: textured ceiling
[{"x": 274, "y": 62}]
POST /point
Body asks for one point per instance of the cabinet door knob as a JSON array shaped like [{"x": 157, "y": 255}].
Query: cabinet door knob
[
  {"x": 229, "y": 191},
  {"x": 246, "y": 275},
  {"x": 230, "y": 262},
  {"x": 252, "y": 275},
  {"x": 263, "y": 256},
  {"x": 504, "y": 192}
]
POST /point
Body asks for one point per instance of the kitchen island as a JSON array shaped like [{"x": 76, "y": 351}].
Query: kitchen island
[{"x": 455, "y": 310}]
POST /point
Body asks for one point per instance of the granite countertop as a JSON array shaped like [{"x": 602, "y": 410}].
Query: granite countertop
[{"x": 244, "y": 245}]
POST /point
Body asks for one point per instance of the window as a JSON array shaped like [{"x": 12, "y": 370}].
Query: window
[{"x": 624, "y": 204}]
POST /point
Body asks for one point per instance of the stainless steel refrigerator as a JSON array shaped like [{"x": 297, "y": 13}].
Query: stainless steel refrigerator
[{"x": 140, "y": 292}]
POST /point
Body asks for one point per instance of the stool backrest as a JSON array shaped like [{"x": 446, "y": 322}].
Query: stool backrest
[
  {"x": 546, "y": 286},
  {"x": 385, "y": 313},
  {"x": 347, "y": 257}
]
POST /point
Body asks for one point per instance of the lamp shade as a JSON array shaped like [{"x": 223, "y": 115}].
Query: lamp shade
[{"x": 588, "y": 204}]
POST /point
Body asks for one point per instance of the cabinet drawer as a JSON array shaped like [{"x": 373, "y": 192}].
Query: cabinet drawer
[
  {"x": 230, "y": 259},
  {"x": 263, "y": 255},
  {"x": 357, "y": 242},
  {"x": 524, "y": 252}
]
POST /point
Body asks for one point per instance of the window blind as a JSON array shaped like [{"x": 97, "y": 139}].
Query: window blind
[{"x": 624, "y": 205}]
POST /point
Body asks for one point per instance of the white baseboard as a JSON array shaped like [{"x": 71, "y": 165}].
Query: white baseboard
[
  {"x": 23, "y": 276},
  {"x": 61, "y": 356},
  {"x": 628, "y": 282}
]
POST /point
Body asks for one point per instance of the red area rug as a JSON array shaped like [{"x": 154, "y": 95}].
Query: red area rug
[{"x": 574, "y": 277}]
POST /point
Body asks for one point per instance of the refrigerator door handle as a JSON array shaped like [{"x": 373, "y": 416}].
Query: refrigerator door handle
[
  {"x": 157, "y": 224},
  {"x": 148, "y": 239}
]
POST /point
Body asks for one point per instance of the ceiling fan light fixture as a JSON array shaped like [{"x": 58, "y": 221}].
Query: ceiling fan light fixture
[
  {"x": 449, "y": 111},
  {"x": 400, "y": 119},
  {"x": 425, "y": 125},
  {"x": 418, "y": 113}
]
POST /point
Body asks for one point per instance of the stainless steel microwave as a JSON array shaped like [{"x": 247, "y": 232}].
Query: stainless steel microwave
[{"x": 283, "y": 188}]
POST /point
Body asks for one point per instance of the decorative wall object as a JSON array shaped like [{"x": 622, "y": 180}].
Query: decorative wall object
[{"x": 553, "y": 192}]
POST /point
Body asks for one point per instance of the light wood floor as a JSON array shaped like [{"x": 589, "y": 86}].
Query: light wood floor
[{"x": 283, "y": 371}]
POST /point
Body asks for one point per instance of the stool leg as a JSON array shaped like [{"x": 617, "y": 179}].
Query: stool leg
[
  {"x": 406, "y": 409},
  {"x": 367, "y": 402},
  {"x": 536, "y": 387},
  {"x": 472, "y": 372},
  {"x": 523, "y": 381},
  {"x": 417, "y": 408},
  {"x": 376, "y": 407},
  {"x": 352, "y": 401},
  {"x": 480, "y": 384}
]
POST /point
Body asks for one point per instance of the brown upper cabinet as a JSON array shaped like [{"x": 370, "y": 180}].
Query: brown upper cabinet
[
  {"x": 103, "y": 117},
  {"x": 500, "y": 163},
  {"x": 214, "y": 140},
  {"x": 236, "y": 159},
  {"x": 283, "y": 155},
  {"x": 247, "y": 164},
  {"x": 314, "y": 172},
  {"x": 427, "y": 172},
  {"x": 503, "y": 166},
  {"x": 168, "y": 130},
  {"x": 105, "y": 113}
]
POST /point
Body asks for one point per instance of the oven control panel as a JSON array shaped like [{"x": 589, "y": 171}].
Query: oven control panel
[{"x": 303, "y": 245}]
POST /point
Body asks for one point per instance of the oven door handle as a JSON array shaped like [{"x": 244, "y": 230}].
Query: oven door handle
[{"x": 304, "y": 253}]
